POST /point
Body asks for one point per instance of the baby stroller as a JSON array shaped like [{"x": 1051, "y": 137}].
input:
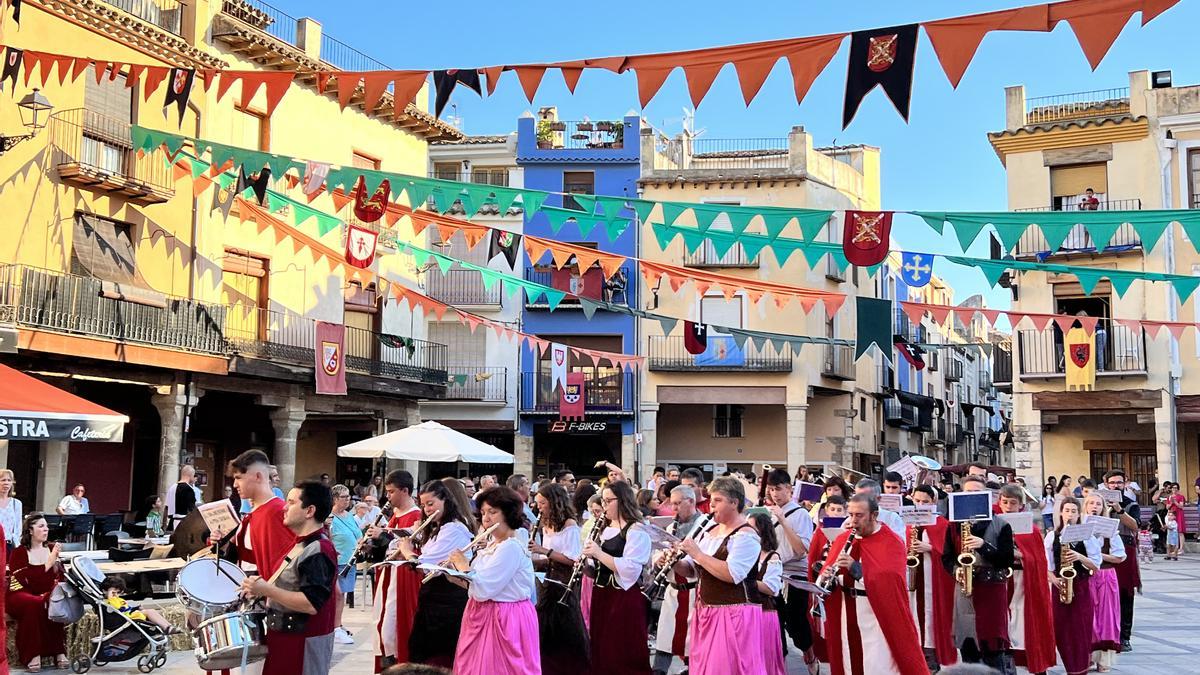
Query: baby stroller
[{"x": 121, "y": 638}]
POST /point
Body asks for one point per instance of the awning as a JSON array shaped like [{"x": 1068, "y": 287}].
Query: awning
[
  {"x": 427, "y": 442},
  {"x": 31, "y": 410}
]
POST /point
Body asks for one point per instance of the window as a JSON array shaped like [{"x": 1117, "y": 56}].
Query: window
[
  {"x": 727, "y": 421},
  {"x": 106, "y": 118},
  {"x": 580, "y": 183},
  {"x": 862, "y": 408},
  {"x": 361, "y": 160},
  {"x": 716, "y": 310},
  {"x": 445, "y": 170},
  {"x": 244, "y": 291},
  {"x": 1069, "y": 183},
  {"x": 490, "y": 175},
  {"x": 707, "y": 254},
  {"x": 361, "y": 316},
  {"x": 103, "y": 249},
  {"x": 1194, "y": 179},
  {"x": 251, "y": 129},
  {"x": 463, "y": 347}
]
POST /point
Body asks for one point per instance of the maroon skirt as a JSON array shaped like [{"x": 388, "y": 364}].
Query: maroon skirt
[
  {"x": 1073, "y": 627},
  {"x": 990, "y": 599},
  {"x": 618, "y": 631},
  {"x": 1129, "y": 577}
]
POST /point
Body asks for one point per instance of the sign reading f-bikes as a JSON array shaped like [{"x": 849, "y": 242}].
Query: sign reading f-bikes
[
  {"x": 562, "y": 427},
  {"x": 48, "y": 429}
]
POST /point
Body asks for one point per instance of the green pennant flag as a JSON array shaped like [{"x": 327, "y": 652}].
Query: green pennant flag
[
  {"x": 553, "y": 297},
  {"x": 936, "y": 220},
  {"x": 1055, "y": 233},
  {"x": 489, "y": 278},
  {"x": 812, "y": 224},
  {"x": 663, "y": 235},
  {"x": 443, "y": 199},
  {"x": 992, "y": 271},
  {"x": 705, "y": 215},
  {"x": 739, "y": 336},
  {"x": 587, "y": 203},
  {"x": 813, "y": 256},
  {"x": 1185, "y": 286},
  {"x": 671, "y": 211},
  {"x": 511, "y": 289},
  {"x": 417, "y": 193},
  {"x": 667, "y": 323},
  {"x": 505, "y": 197},
  {"x": 692, "y": 241},
  {"x": 586, "y": 224},
  {"x": 739, "y": 218},
  {"x": 1102, "y": 233},
  {"x": 531, "y": 202},
  {"x": 340, "y": 177},
  {"x": 198, "y": 167},
  {"x": 775, "y": 224},
  {"x": 589, "y": 307},
  {"x": 1089, "y": 278},
  {"x": 444, "y": 263},
  {"x": 874, "y": 327},
  {"x": 642, "y": 208},
  {"x": 557, "y": 217},
  {"x": 611, "y": 207},
  {"x": 616, "y": 228},
  {"x": 752, "y": 247},
  {"x": 722, "y": 245},
  {"x": 458, "y": 380}
]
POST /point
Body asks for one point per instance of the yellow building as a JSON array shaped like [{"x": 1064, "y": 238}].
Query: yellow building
[
  {"x": 126, "y": 287},
  {"x": 1135, "y": 148},
  {"x": 815, "y": 408}
]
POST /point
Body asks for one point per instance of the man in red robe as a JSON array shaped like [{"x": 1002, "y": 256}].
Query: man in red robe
[
  {"x": 396, "y": 586},
  {"x": 835, "y": 508},
  {"x": 931, "y": 588},
  {"x": 1030, "y": 615},
  {"x": 262, "y": 539},
  {"x": 869, "y": 629}
]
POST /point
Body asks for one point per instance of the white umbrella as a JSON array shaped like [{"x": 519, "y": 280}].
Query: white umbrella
[{"x": 427, "y": 442}]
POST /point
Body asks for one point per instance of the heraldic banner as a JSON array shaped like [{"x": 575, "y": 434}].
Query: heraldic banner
[
  {"x": 331, "y": 358},
  {"x": 1081, "y": 360},
  {"x": 571, "y": 405}
]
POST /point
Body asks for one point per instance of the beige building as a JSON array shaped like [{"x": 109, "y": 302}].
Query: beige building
[{"x": 1136, "y": 148}]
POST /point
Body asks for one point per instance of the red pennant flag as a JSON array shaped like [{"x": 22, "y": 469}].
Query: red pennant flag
[
  {"x": 866, "y": 236},
  {"x": 700, "y": 78},
  {"x": 154, "y": 77},
  {"x": 330, "y": 356},
  {"x": 956, "y": 40},
  {"x": 571, "y": 77},
  {"x": 650, "y": 79},
  {"x": 1096, "y": 23},
  {"x": 809, "y": 59},
  {"x": 374, "y": 84},
  {"x": 752, "y": 73},
  {"x": 360, "y": 246},
  {"x": 531, "y": 79}
]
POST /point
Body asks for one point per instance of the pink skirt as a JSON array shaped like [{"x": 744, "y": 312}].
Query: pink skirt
[
  {"x": 585, "y": 600},
  {"x": 1106, "y": 597},
  {"x": 498, "y": 637},
  {"x": 772, "y": 644},
  {"x": 726, "y": 640}
]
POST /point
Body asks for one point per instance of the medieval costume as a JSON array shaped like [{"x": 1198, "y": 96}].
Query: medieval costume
[
  {"x": 981, "y": 620},
  {"x": 1106, "y": 598},
  {"x": 673, "y": 637},
  {"x": 793, "y": 604},
  {"x": 1073, "y": 621},
  {"x": 562, "y": 634},
  {"x": 931, "y": 596},
  {"x": 500, "y": 627},
  {"x": 618, "y": 623},
  {"x": 299, "y": 643},
  {"x": 440, "y": 603},
  {"x": 728, "y": 614},
  {"x": 395, "y": 600},
  {"x": 770, "y": 574},
  {"x": 1030, "y": 616}
]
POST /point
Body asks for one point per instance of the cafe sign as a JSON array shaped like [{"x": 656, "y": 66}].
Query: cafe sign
[{"x": 20, "y": 428}]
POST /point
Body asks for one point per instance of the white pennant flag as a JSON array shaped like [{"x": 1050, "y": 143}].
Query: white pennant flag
[
  {"x": 314, "y": 176},
  {"x": 558, "y": 365}
]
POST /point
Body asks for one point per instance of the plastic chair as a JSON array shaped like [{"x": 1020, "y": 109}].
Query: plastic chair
[{"x": 81, "y": 528}]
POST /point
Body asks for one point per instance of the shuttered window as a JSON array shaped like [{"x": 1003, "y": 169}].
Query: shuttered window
[
  {"x": 110, "y": 97},
  {"x": 361, "y": 161},
  {"x": 716, "y": 310},
  {"x": 103, "y": 249},
  {"x": 243, "y": 288},
  {"x": 464, "y": 348},
  {"x": 1070, "y": 181}
]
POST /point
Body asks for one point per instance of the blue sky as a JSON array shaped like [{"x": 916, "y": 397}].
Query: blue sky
[{"x": 939, "y": 161}]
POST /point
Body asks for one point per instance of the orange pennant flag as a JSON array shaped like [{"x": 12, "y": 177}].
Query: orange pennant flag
[
  {"x": 374, "y": 84},
  {"x": 650, "y": 79},
  {"x": 561, "y": 256},
  {"x": 405, "y": 88},
  {"x": 531, "y": 79},
  {"x": 492, "y": 75},
  {"x": 535, "y": 249},
  {"x": 347, "y": 84},
  {"x": 700, "y": 78},
  {"x": 956, "y": 40},
  {"x": 571, "y": 77},
  {"x": 752, "y": 73},
  {"x": 1096, "y": 23},
  {"x": 154, "y": 77}
]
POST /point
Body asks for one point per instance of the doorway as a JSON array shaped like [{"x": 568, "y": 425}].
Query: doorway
[{"x": 1139, "y": 465}]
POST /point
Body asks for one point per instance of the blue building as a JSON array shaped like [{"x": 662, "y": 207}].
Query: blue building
[{"x": 588, "y": 157}]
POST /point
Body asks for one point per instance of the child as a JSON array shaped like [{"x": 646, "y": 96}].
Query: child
[
  {"x": 1145, "y": 546},
  {"x": 114, "y": 587},
  {"x": 1172, "y": 539}
]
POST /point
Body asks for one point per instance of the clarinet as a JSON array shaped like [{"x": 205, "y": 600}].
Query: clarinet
[
  {"x": 577, "y": 570},
  {"x": 360, "y": 549},
  {"x": 662, "y": 579}
]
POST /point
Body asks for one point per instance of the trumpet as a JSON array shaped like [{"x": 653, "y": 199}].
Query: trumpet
[
  {"x": 964, "y": 574},
  {"x": 395, "y": 555},
  {"x": 594, "y": 535},
  {"x": 1066, "y": 572},
  {"x": 658, "y": 586},
  {"x": 826, "y": 578},
  {"x": 480, "y": 541},
  {"x": 914, "y": 560},
  {"x": 360, "y": 551}
]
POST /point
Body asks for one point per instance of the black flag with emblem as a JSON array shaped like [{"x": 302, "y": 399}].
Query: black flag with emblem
[
  {"x": 179, "y": 89},
  {"x": 911, "y": 352},
  {"x": 12, "y": 66},
  {"x": 444, "y": 82},
  {"x": 257, "y": 182},
  {"x": 507, "y": 243},
  {"x": 881, "y": 57}
]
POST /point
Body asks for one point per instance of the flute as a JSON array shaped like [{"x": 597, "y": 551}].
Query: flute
[
  {"x": 480, "y": 538},
  {"x": 358, "y": 548},
  {"x": 396, "y": 554}
]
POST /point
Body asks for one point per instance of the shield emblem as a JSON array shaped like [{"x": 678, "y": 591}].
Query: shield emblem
[
  {"x": 881, "y": 52},
  {"x": 371, "y": 209},
  {"x": 506, "y": 239},
  {"x": 181, "y": 78},
  {"x": 571, "y": 394},
  {"x": 1081, "y": 354},
  {"x": 331, "y": 357},
  {"x": 560, "y": 356},
  {"x": 12, "y": 58}
]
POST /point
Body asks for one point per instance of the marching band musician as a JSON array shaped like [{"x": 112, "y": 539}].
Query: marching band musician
[
  {"x": 770, "y": 585},
  {"x": 673, "y": 634},
  {"x": 440, "y": 603},
  {"x": 1106, "y": 597},
  {"x": 834, "y": 507},
  {"x": 1129, "y": 580},
  {"x": 300, "y": 605},
  {"x": 563, "y": 635},
  {"x": 396, "y": 586},
  {"x": 931, "y": 593},
  {"x": 500, "y": 627},
  {"x": 262, "y": 539},
  {"x": 876, "y": 636},
  {"x": 794, "y": 531},
  {"x": 728, "y": 610},
  {"x": 618, "y": 610},
  {"x": 1073, "y": 620},
  {"x": 1030, "y": 618},
  {"x": 981, "y": 620}
]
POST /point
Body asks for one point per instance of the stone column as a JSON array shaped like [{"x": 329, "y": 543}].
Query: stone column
[
  {"x": 523, "y": 454},
  {"x": 287, "y": 420},
  {"x": 628, "y": 452},
  {"x": 52, "y": 481},
  {"x": 649, "y": 432},
  {"x": 1164, "y": 421},
  {"x": 172, "y": 402},
  {"x": 3, "y": 453},
  {"x": 797, "y": 453}
]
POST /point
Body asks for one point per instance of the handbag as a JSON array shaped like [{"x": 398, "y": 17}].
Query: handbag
[{"x": 65, "y": 605}]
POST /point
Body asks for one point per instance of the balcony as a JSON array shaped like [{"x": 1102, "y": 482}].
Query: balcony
[
  {"x": 486, "y": 384},
  {"x": 955, "y": 434},
  {"x": 76, "y": 305},
  {"x": 706, "y": 256},
  {"x": 498, "y": 178},
  {"x": 605, "y": 391},
  {"x": 985, "y": 381},
  {"x": 584, "y": 135},
  {"x": 463, "y": 288},
  {"x": 954, "y": 370},
  {"x": 722, "y": 154},
  {"x": 1077, "y": 106},
  {"x": 898, "y": 414},
  {"x": 1033, "y": 245},
  {"x": 886, "y": 378},
  {"x": 902, "y": 326},
  {"x": 938, "y": 433},
  {"x": 1120, "y": 351},
  {"x": 95, "y": 152},
  {"x": 166, "y": 14},
  {"x": 668, "y": 354},
  {"x": 591, "y": 285},
  {"x": 1002, "y": 369},
  {"x": 839, "y": 362}
]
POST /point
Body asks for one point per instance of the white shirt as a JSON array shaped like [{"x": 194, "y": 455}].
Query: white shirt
[
  {"x": 170, "y": 500},
  {"x": 567, "y": 543},
  {"x": 635, "y": 556},
  {"x": 451, "y": 537},
  {"x": 72, "y": 507},
  {"x": 801, "y": 523},
  {"x": 773, "y": 577},
  {"x": 10, "y": 519},
  {"x": 893, "y": 521},
  {"x": 743, "y": 550},
  {"x": 502, "y": 573},
  {"x": 1091, "y": 545}
]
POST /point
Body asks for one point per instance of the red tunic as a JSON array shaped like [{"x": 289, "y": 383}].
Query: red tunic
[
  {"x": 270, "y": 539},
  {"x": 397, "y": 587},
  {"x": 943, "y": 595},
  {"x": 1039, "y": 614}
]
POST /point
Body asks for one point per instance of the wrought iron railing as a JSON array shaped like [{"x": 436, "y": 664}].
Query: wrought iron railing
[
  {"x": 613, "y": 290},
  {"x": 344, "y": 57},
  {"x": 1106, "y": 205},
  {"x": 839, "y": 362},
  {"x": 1002, "y": 367},
  {"x": 1119, "y": 350},
  {"x": 477, "y": 383},
  {"x": 103, "y": 145},
  {"x": 707, "y": 256},
  {"x": 938, "y": 432},
  {"x": 66, "y": 303},
  {"x": 700, "y": 154},
  {"x": 1033, "y": 244},
  {"x": 1078, "y": 105},
  {"x": 954, "y": 370},
  {"x": 605, "y": 390},
  {"x": 954, "y": 433},
  {"x": 497, "y": 177},
  {"x": 461, "y": 287},
  {"x": 166, "y": 14},
  {"x": 583, "y": 135},
  {"x": 669, "y": 353},
  {"x": 899, "y": 414},
  {"x": 903, "y": 326}
]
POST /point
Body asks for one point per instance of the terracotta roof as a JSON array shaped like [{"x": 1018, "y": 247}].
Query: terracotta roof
[
  {"x": 1067, "y": 124},
  {"x": 475, "y": 140}
]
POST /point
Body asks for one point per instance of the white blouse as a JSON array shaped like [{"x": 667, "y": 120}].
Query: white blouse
[
  {"x": 635, "y": 556},
  {"x": 502, "y": 573},
  {"x": 567, "y": 542},
  {"x": 773, "y": 578},
  {"x": 451, "y": 537},
  {"x": 744, "y": 548},
  {"x": 1092, "y": 545},
  {"x": 10, "y": 519}
]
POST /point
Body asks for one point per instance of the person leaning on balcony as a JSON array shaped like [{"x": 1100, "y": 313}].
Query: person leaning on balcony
[
  {"x": 75, "y": 503},
  {"x": 1089, "y": 201}
]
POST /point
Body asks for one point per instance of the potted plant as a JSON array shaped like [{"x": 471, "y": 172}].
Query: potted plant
[
  {"x": 619, "y": 135},
  {"x": 558, "y": 126},
  {"x": 606, "y": 127},
  {"x": 584, "y": 126},
  {"x": 545, "y": 135}
]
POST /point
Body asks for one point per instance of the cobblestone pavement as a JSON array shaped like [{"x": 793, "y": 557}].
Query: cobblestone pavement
[{"x": 1166, "y": 627}]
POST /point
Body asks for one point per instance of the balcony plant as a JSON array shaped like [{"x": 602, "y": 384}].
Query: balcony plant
[
  {"x": 558, "y": 126},
  {"x": 606, "y": 127},
  {"x": 584, "y": 126},
  {"x": 545, "y": 135}
]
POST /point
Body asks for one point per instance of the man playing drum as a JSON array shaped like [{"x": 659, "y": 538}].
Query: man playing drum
[{"x": 262, "y": 540}]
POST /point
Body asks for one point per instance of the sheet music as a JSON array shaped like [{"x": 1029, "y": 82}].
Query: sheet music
[
  {"x": 919, "y": 515},
  {"x": 1073, "y": 534},
  {"x": 832, "y": 533},
  {"x": 219, "y": 516},
  {"x": 1111, "y": 496},
  {"x": 1020, "y": 522},
  {"x": 906, "y": 468},
  {"x": 448, "y": 571},
  {"x": 807, "y": 492},
  {"x": 659, "y": 537},
  {"x": 891, "y": 503},
  {"x": 970, "y": 506},
  {"x": 1106, "y": 528}
]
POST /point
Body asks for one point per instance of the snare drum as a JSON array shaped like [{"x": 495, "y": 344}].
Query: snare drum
[
  {"x": 210, "y": 587},
  {"x": 224, "y": 641}
]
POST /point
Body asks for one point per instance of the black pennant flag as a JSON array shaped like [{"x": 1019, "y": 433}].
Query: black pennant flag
[
  {"x": 12, "y": 66},
  {"x": 507, "y": 243},
  {"x": 912, "y": 353},
  {"x": 17, "y": 11},
  {"x": 179, "y": 89},
  {"x": 881, "y": 57},
  {"x": 444, "y": 82},
  {"x": 257, "y": 182},
  {"x": 695, "y": 337}
]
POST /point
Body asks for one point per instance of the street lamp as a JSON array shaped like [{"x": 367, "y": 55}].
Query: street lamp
[{"x": 32, "y": 105}]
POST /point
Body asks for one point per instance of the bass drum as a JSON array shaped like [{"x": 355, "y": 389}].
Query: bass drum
[
  {"x": 209, "y": 587},
  {"x": 226, "y": 642}
]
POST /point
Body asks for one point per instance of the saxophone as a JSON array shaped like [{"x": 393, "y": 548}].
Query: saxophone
[
  {"x": 914, "y": 559},
  {"x": 964, "y": 574},
  {"x": 1066, "y": 572}
]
